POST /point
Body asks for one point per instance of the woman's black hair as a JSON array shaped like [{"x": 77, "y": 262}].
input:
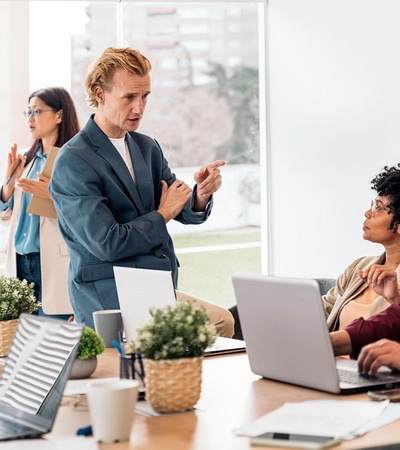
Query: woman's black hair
[
  {"x": 58, "y": 99},
  {"x": 387, "y": 183}
]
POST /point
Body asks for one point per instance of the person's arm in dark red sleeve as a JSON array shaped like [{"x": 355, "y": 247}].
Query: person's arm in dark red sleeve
[{"x": 385, "y": 325}]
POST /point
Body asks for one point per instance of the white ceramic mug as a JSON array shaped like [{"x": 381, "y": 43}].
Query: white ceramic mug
[
  {"x": 112, "y": 408},
  {"x": 108, "y": 324}
]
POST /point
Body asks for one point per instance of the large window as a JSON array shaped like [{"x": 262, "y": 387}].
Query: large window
[{"x": 204, "y": 105}]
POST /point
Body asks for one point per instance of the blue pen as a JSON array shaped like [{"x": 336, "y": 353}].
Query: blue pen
[
  {"x": 118, "y": 347},
  {"x": 13, "y": 172},
  {"x": 85, "y": 431}
]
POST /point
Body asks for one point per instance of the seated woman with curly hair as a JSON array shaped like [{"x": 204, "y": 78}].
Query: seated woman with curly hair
[{"x": 356, "y": 292}]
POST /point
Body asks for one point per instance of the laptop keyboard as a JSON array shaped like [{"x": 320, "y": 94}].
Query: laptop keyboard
[{"x": 357, "y": 379}]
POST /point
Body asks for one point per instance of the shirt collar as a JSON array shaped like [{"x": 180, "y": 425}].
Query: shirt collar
[{"x": 39, "y": 153}]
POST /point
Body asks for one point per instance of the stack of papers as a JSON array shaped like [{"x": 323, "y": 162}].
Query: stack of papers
[{"x": 338, "y": 418}]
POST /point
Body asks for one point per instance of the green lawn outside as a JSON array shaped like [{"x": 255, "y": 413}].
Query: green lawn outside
[
  {"x": 209, "y": 274},
  {"x": 217, "y": 237}
]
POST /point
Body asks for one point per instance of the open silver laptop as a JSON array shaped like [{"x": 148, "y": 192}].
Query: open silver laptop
[
  {"x": 284, "y": 326},
  {"x": 34, "y": 376},
  {"x": 140, "y": 289}
]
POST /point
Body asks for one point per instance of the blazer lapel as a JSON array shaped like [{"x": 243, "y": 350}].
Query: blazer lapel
[
  {"x": 143, "y": 177},
  {"x": 106, "y": 150}
]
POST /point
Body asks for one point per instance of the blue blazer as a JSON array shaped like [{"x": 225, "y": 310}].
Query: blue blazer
[{"x": 109, "y": 220}]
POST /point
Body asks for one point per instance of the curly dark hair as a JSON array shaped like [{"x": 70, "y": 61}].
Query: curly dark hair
[{"x": 387, "y": 183}]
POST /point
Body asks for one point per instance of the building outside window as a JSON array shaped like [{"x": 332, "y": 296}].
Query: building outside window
[{"x": 204, "y": 105}]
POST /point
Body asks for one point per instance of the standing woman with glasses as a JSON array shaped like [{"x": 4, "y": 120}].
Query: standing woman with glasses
[
  {"x": 357, "y": 292},
  {"x": 36, "y": 250}
]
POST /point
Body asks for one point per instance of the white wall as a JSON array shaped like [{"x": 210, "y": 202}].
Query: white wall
[{"x": 334, "y": 99}]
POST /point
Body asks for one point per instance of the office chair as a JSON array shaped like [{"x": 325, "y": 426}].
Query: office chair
[{"x": 324, "y": 285}]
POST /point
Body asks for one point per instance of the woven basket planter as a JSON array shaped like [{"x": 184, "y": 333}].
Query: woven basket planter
[
  {"x": 7, "y": 331},
  {"x": 173, "y": 385}
]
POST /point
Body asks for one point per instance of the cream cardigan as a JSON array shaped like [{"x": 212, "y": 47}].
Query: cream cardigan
[
  {"x": 54, "y": 257},
  {"x": 348, "y": 286}
]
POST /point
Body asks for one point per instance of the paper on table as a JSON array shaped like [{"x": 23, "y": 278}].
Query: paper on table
[
  {"x": 76, "y": 387},
  {"x": 77, "y": 443},
  {"x": 79, "y": 387},
  {"x": 389, "y": 414},
  {"x": 337, "y": 418}
]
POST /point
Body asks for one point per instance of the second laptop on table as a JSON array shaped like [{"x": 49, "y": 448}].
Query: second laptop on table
[{"x": 287, "y": 338}]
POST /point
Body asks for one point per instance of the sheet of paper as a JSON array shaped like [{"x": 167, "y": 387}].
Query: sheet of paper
[
  {"x": 76, "y": 387},
  {"x": 388, "y": 415},
  {"x": 79, "y": 387},
  {"x": 77, "y": 443},
  {"x": 337, "y": 418}
]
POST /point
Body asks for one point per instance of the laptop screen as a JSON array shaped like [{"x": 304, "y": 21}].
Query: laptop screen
[{"x": 139, "y": 290}]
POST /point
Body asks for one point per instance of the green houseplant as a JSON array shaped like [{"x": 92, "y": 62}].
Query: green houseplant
[
  {"x": 172, "y": 344},
  {"x": 16, "y": 297},
  {"x": 90, "y": 346}
]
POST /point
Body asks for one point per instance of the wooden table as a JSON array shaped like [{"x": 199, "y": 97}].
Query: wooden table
[{"x": 232, "y": 396}]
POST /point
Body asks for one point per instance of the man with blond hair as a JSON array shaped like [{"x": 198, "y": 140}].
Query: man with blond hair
[{"x": 115, "y": 193}]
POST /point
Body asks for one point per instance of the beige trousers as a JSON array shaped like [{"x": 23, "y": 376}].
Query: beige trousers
[{"x": 219, "y": 316}]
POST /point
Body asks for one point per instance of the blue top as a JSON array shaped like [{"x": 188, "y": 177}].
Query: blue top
[{"x": 27, "y": 232}]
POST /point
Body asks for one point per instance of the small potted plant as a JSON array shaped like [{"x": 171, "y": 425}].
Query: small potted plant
[
  {"x": 16, "y": 297},
  {"x": 172, "y": 344},
  {"x": 90, "y": 346}
]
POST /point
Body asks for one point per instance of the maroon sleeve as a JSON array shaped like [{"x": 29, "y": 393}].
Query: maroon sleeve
[{"x": 386, "y": 325}]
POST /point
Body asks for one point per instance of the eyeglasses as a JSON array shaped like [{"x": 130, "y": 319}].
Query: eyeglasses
[
  {"x": 377, "y": 206},
  {"x": 35, "y": 112}
]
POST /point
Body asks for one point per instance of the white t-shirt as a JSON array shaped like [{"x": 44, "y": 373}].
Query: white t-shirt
[{"x": 122, "y": 147}]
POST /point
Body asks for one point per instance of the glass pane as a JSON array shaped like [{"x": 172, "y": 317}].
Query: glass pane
[{"x": 203, "y": 106}]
